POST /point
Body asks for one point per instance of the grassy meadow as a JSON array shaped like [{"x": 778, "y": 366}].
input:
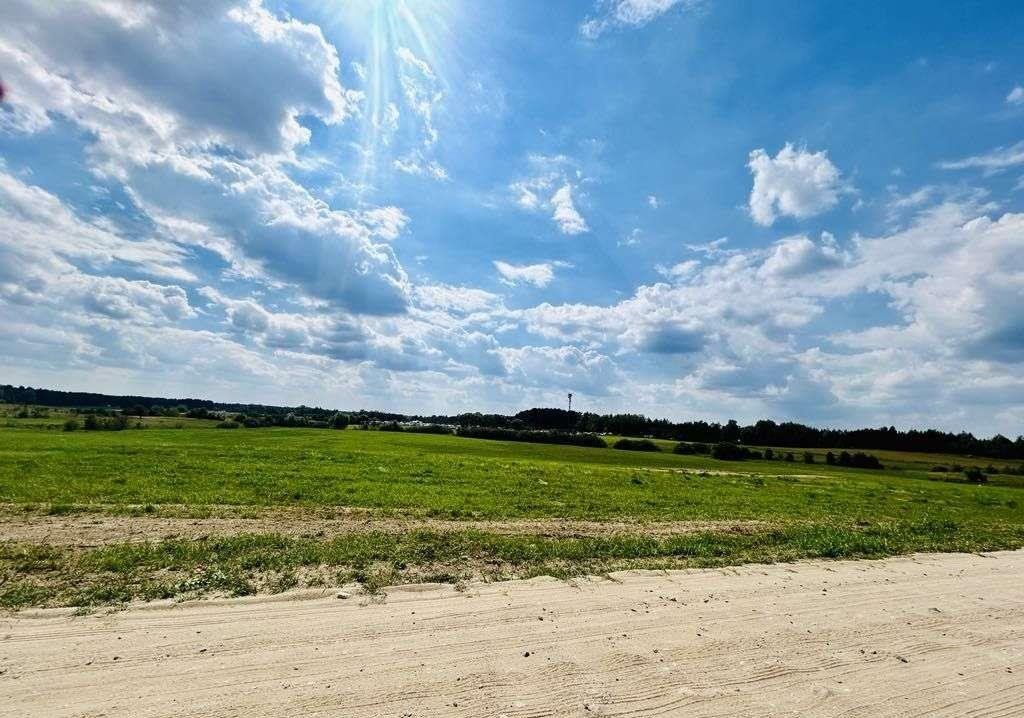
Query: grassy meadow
[{"x": 765, "y": 510}]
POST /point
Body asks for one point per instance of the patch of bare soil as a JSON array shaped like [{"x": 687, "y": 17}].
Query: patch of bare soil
[{"x": 84, "y": 530}]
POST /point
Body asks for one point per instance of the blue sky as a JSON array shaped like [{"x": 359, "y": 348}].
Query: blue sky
[{"x": 686, "y": 208}]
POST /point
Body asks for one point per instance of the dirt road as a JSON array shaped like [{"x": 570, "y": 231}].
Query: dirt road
[{"x": 936, "y": 635}]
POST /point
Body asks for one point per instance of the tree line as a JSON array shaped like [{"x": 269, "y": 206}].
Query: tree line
[{"x": 762, "y": 433}]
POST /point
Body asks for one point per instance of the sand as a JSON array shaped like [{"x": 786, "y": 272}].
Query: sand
[{"x": 935, "y": 635}]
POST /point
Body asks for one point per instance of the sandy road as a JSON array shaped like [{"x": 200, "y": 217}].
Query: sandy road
[{"x": 936, "y": 635}]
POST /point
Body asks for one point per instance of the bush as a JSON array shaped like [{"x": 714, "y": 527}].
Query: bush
[
  {"x": 732, "y": 452},
  {"x": 228, "y": 425},
  {"x": 769, "y": 454},
  {"x": 92, "y": 423},
  {"x": 428, "y": 429},
  {"x": 789, "y": 456},
  {"x": 859, "y": 460},
  {"x": 635, "y": 445},
  {"x": 830, "y": 459},
  {"x": 975, "y": 476},
  {"x": 339, "y": 421},
  {"x": 689, "y": 449},
  {"x": 71, "y": 425},
  {"x": 532, "y": 436},
  {"x": 940, "y": 469},
  {"x": 808, "y": 457}
]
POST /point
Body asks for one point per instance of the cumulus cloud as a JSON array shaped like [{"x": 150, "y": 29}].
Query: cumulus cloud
[
  {"x": 144, "y": 97},
  {"x": 463, "y": 300},
  {"x": 742, "y": 325},
  {"x": 147, "y": 105},
  {"x": 563, "y": 368},
  {"x": 617, "y": 14},
  {"x": 795, "y": 183},
  {"x": 539, "y": 275},
  {"x": 796, "y": 256},
  {"x": 1015, "y": 96}
]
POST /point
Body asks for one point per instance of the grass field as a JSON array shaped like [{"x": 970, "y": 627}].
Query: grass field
[{"x": 724, "y": 512}]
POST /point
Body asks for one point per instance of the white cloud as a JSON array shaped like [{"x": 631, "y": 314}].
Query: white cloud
[
  {"x": 994, "y": 161},
  {"x": 539, "y": 275},
  {"x": 147, "y": 105},
  {"x": 415, "y": 164},
  {"x": 551, "y": 174},
  {"x": 795, "y": 256},
  {"x": 565, "y": 215},
  {"x": 616, "y": 14},
  {"x": 422, "y": 90},
  {"x": 795, "y": 183},
  {"x": 143, "y": 97},
  {"x": 632, "y": 239},
  {"x": 652, "y": 202},
  {"x": 1015, "y": 96},
  {"x": 681, "y": 270},
  {"x": 464, "y": 300}
]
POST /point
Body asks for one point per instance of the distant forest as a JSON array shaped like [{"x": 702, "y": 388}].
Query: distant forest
[{"x": 761, "y": 433}]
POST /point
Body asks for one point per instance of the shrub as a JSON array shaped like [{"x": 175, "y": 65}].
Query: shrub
[
  {"x": 91, "y": 423},
  {"x": 731, "y": 452},
  {"x": 71, "y": 425},
  {"x": 532, "y": 436},
  {"x": 859, "y": 460},
  {"x": 636, "y": 445},
  {"x": 808, "y": 457},
  {"x": 339, "y": 421},
  {"x": 686, "y": 449},
  {"x": 428, "y": 429},
  {"x": 769, "y": 454},
  {"x": 228, "y": 425},
  {"x": 940, "y": 469},
  {"x": 975, "y": 476},
  {"x": 789, "y": 456}
]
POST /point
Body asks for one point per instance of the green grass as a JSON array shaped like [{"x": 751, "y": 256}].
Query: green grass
[
  {"x": 457, "y": 477},
  {"x": 810, "y": 510}
]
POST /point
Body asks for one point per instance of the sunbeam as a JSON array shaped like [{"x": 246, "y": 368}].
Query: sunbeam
[{"x": 408, "y": 51}]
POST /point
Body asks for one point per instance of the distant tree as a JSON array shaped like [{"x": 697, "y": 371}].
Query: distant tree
[
  {"x": 71, "y": 425},
  {"x": 731, "y": 432},
  {"x": 339, "y": 421},
  {"x": 830, "y": 459},
  {"x": 808, "y": 457},
  {"x": 91, "y": 423},
  {"x": 769, "y": 454}
]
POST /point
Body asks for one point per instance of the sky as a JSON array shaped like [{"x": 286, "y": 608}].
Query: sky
[{"x": 692, "y": 209}]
